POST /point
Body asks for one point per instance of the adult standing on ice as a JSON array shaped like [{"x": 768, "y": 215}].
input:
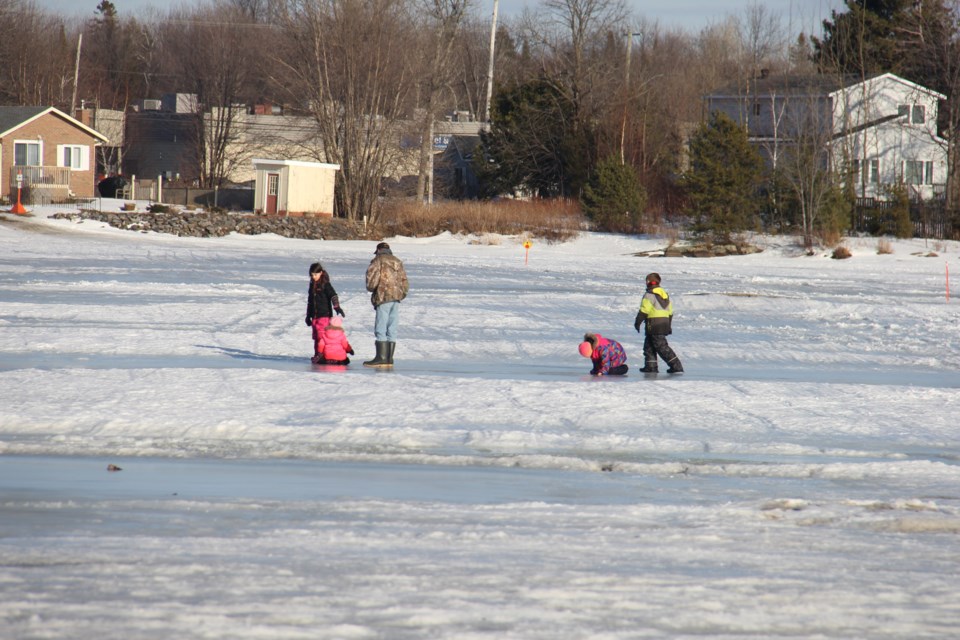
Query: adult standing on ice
[
  {"x": 608, "y": 356},
  {"x": 388, "y": 285},
  {"x": 656, "y": 312},
  {"x": 322, "y": 301}
]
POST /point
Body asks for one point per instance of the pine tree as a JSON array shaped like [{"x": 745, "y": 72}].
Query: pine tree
[
  {"x": 724, "y": 176},
  {"x": 864, "y": 39},
  {"x": 613, "y": 198},
  {"x": 532, "y": 144}
]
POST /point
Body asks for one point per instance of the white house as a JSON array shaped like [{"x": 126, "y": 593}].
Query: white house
[{"x": 879, "y": 131}]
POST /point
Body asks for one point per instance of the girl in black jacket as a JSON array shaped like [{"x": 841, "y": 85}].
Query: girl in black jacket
[{"x": 322, "y": 301}]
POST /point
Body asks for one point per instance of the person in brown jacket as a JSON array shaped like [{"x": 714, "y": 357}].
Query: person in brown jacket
[{"x": 388, "y": 285}]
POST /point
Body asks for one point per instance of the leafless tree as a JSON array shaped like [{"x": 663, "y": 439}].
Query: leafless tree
[
  {"x": 348, "y": 65},
  {"x": 36, "y": 56},
  {"x": 579, "y": 45},
  {"x": 212, "y": 56},
  {"x": 761, "y": 37},
  {"x": 444, "y": 19}
]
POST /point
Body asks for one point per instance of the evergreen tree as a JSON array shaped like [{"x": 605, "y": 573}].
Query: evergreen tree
[
  {"x": 613, "y": 198},
  {"x": 532, "y": 144},
  {"x": 724, "y": 176},
  {"x": 864, "y": 39}
]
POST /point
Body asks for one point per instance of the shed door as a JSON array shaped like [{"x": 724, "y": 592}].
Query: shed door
[{"x": 273, "y": 188}]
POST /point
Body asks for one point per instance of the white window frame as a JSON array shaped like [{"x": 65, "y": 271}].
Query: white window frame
[
  {"x": 28, "y": 143},
  {"x": 913, "y": 172},
  {"x": 79, "y": 156}
]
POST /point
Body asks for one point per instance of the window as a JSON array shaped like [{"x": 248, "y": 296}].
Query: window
[
  {"x": 919, "y": 114},
  {"x": 26, "y": 154},
  {"x": 872, "y": 168},
  {"x": 928, "y": 178},
  {"x": 913, "y": 171},
  {"x": 912, "y": 113},
  {"x": 74, "y": 156}
]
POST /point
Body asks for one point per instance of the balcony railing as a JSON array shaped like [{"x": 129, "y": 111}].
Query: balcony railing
[
  {"x": 40, "y": 185},
  {"x": 51, "y": 177}
]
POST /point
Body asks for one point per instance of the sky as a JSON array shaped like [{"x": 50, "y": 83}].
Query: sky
[
  {"x": 799, "y": 480},
  {"x": 691, "y": 15}
]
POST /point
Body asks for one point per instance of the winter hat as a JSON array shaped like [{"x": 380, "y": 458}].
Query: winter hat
[
  {"x": 336, "y": 322},
  {"x": 383, "y": 247},
  {"x": 586, "y": 349},
  {"x": 653, "y": 278},
  {"x": 316, "y": 267}
]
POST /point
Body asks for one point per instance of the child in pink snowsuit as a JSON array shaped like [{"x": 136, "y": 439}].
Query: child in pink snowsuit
[
  {"x": 333, "y": 345},
  {"x": 608, "y": 356}
]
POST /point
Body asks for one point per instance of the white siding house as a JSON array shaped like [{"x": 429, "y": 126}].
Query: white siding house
[{"x": 878, "y": 132}]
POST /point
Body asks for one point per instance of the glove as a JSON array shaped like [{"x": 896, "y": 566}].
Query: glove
[
  {"x": 308, "y": 320},
  {"x": 340, "y": 312},
  {"x": 637, "y": 323},
  {"x": 350, "y": 351}
]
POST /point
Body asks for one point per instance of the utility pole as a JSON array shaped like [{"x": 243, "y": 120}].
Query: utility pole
[
  {"x": 76, "y": 77},
  {"x": 626, "y": 95},
  {"x": 493, "y": 40}
]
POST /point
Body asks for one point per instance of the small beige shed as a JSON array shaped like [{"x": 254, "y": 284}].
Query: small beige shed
[{"x": 294, "y": 187}]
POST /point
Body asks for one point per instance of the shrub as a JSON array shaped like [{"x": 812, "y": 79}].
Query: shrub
[
  {"x": 613, "y": 198},
  {"x": 841, "y": 253},
  {"x": 552, "y": 220},
  {"x": 156, "y": 207},
  {"x": 884, "y": 246},
  {"x": 896, "y": 219}
]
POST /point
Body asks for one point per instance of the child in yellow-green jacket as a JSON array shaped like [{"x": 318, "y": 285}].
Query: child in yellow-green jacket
[{"x": 656, "y": 312}]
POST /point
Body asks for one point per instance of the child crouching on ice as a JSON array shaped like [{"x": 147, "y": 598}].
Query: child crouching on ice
[
  {"x": 333, "y": 346},
  {"x": 608, "y": 356}
]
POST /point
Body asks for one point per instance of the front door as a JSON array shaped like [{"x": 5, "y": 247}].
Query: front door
[{"x": 273, "y": 188}]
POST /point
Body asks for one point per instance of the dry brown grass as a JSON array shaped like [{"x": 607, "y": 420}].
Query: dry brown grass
[
  {"x": 884, "y": 246},
  {"x": 841, "y": 253},
  {"x": 550, "y": 220}
]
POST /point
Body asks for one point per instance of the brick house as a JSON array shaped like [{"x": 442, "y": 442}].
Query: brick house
[{"x": 51, "y": 152}]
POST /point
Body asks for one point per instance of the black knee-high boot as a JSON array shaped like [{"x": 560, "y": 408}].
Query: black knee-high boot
[{"x": 380, "y": 360}]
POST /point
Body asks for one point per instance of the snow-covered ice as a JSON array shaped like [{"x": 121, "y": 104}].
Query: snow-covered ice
[{"x": 802, "y": 479}]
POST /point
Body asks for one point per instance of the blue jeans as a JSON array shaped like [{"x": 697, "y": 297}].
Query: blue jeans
[{"x": 385, "y": 326}]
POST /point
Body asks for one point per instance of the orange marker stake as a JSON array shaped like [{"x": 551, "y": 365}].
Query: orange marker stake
[{"x": 526, "y": 245}]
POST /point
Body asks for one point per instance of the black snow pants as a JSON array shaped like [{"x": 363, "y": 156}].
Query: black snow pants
[{"x": 656, "y": 345}]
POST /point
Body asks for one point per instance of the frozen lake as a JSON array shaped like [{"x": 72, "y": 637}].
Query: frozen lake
[{"x": 802, "y": 479}]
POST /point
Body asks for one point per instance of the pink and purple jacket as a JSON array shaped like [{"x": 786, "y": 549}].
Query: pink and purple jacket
[{"x": 607, "y": 355}]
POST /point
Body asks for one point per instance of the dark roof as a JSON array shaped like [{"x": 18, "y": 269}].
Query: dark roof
[
  {"x": 806, "y": 85},
  {"x": 12, "y": 116}
]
